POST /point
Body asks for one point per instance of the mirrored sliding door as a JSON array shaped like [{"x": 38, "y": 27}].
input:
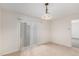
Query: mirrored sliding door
[{"x": 24, "y": 35}]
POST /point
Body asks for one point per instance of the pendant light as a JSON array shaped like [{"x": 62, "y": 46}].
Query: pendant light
[{"x": 46, "y": 16}]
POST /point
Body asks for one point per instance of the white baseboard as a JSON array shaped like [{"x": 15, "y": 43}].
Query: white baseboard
[
  {"x": 8, "y": 52},
  {"x": 29, "y": 47}
]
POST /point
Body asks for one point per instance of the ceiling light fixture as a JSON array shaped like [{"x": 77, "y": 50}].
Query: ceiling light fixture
[{"x": 46, "y": 16}]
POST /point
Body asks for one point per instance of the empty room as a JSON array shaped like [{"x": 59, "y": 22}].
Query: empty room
[{"x": 39, "y": 29}]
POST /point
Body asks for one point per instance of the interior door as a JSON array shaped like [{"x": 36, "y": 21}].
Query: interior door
[{"x": 24, "y": 35}]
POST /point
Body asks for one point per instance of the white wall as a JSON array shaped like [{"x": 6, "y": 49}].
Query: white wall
[
  {"x": 43, "y": 31},
  {"x": 1, "y": 32},
  {"x": 75, "y": 29},
  {"x": 61, "y": 32},
  {"x": 9, "y": 30}
]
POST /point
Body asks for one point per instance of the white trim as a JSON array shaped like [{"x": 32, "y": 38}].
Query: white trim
[{"x": 8, "y": 52}]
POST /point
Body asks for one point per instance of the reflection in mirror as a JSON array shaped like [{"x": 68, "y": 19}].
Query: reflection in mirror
[{"x": 75, "y": 33}]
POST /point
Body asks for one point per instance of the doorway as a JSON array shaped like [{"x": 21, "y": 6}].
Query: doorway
[{"x": 24, "y": 35}]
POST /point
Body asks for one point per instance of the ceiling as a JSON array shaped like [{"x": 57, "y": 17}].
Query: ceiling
[{"x": 57, "y": 10}]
